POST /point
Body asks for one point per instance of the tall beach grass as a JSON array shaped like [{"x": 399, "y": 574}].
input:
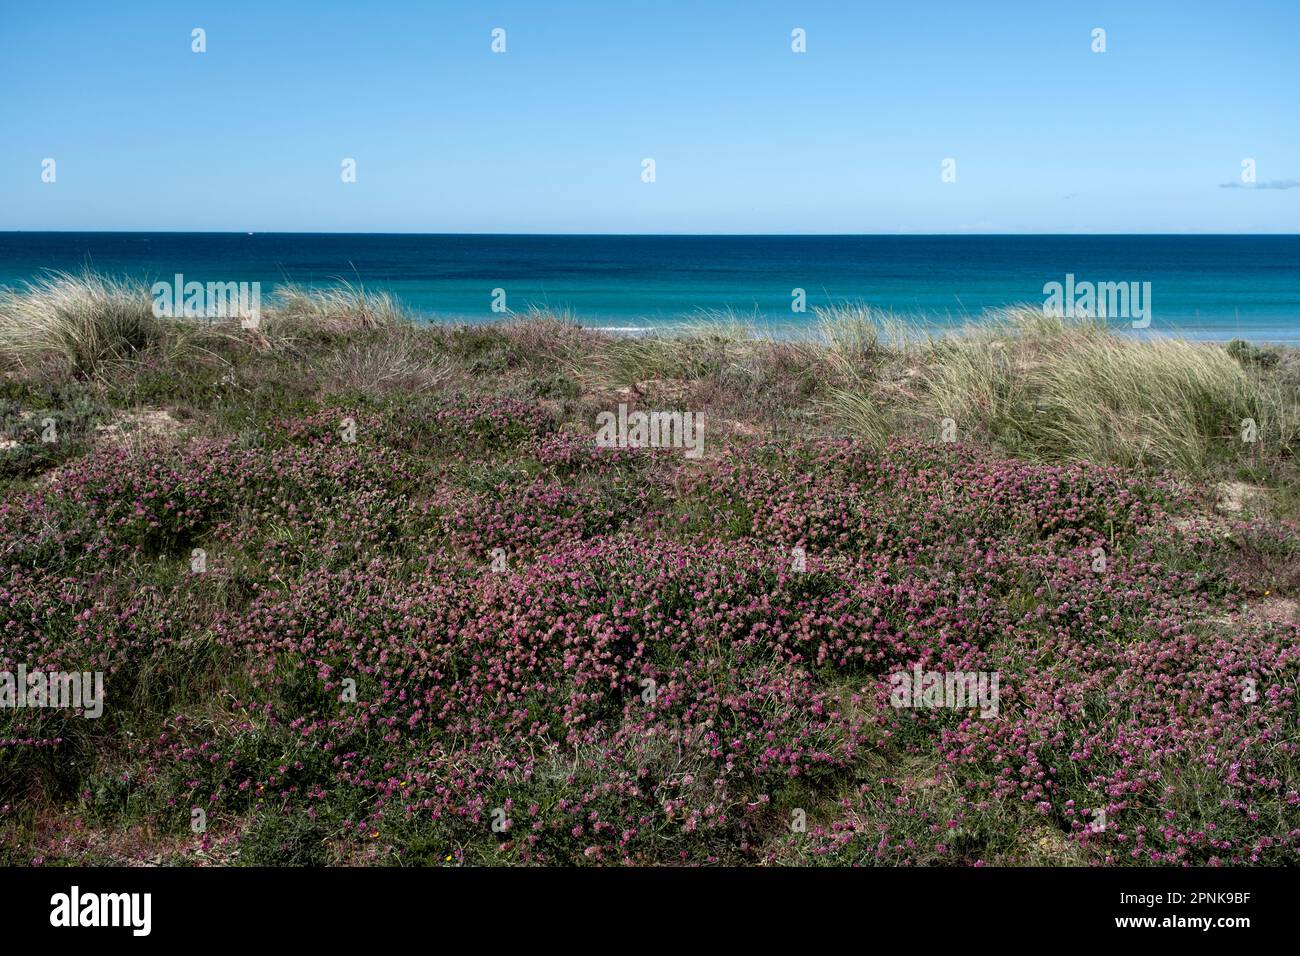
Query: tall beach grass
[
  {"x": 1054, "y": 389},
  {"x": 1026, "y": 383},
  {"x": 83, "y": 320}
]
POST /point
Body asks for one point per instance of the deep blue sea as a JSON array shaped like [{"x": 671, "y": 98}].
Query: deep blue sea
[{"x": 1217, "y": 287}]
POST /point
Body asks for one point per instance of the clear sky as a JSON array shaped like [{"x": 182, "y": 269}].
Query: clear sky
[{"x": 747, "y": 136}]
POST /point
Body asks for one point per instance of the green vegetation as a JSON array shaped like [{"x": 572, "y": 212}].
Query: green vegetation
[{"x": 368, "y": 558}]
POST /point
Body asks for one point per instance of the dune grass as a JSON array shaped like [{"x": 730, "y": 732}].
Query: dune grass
[
  {"x": 84, "y": 321},
  {"x": 334, "y": 309},
  {"x": 699, "y": 349},
  {"x": 88, "y": 323},
  {"x": 1052, "y": 389},
  {"x": 1028, "y": 384}
]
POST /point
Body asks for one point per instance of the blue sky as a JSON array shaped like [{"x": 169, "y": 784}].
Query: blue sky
[{"x": 747, "y": 136}]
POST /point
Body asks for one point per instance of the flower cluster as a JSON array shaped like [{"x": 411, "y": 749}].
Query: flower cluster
[{"x": 675, "y": 659}]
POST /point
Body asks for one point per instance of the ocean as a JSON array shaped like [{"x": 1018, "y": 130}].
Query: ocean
[{"x": 1210, "y": 287}]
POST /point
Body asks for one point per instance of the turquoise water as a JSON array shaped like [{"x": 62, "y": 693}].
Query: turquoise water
[{"x": 1216, "y": 287}]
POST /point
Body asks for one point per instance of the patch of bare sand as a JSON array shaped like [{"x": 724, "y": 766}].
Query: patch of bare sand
[
  {"x": 149, "y": 421},
  {"x": 1265, "y": 610},
  {"x": 1275, "y": 610},
  {"x": 1234, "y": 497},
  {"x": 662, "y": 389},
  {"x": 734, "y": 426}
]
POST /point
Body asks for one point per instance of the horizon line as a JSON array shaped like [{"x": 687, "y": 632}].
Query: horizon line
[{"x": 642, "y": 235}]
